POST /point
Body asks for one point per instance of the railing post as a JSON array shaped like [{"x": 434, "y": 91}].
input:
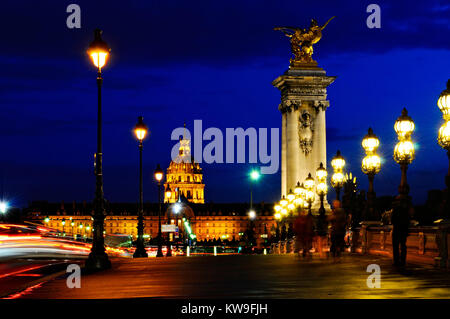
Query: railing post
[
  {"x": 364, "y": 238},
  {"x": 442, "y": 242}
]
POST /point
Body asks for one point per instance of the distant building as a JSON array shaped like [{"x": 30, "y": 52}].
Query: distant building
[
  {"x": 208, "y": 221},
  {"x": 185, "y": 177}
]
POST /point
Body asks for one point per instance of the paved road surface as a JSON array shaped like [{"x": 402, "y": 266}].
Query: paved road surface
[
  {"x": 21, "y": 273},
  {"x": 258, "y": 276}
]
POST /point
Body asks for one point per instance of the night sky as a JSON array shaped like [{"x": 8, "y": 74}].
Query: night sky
[{"x": 177, "y": 61}]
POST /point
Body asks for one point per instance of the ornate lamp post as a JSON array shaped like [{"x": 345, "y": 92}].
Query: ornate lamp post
[
  {"x": 299, "y": 193},
  {"x": 337, "y": 179},
  {"x": 159, "y": 176},
  {"x": 167, "y": 195},
  {"x": 321, "y": 189},
  {"x": 290, "y": 197},
  {"x": 254, "y": 176},
  {"x": 371, "y": 165},
  {"x": 98, "y": 259},
  {"x": 309, "y": 193},
  {"x": 444, "y": 136},
  {"x": 404, "y": 150},
  {"x": 140, "y": 130}
]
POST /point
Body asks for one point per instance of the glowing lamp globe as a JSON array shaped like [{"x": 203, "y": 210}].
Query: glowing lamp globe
[
  {"x": 404, "y": 126},
  {"x": 158, "y": 173},
  {"x": 98, "y": 50},
  {"x": 322, "y": 188},
  {"x": 321, "y": 173},
  {"x": 444, "y": 102},
  {"x": 371, "y": 164},
  {"x": 283, "y": 202},
  {"x": 298, "y": 189},
  {"x": 338, "y": 162},
  {"x": 310, "y": 195},
  {"x": 309, "y": 182},
  {"x": 168, "y": 192},
  {"x": 277, "y": 208},
  {"x": 370, "y": 142},
  {"x": 444, "y": 135},
  {"x": 337, "y": 179},
  {"x": 290, "y": 196},
  {"x": 277, "y": 216},
  {"x": 140, "y": 130},
  {"x": 404, "y": 152}
]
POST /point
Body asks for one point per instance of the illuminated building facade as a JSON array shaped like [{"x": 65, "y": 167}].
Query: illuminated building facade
[
  {"x": 208, "y": 221},
  {"x": 185, "y": 177}
]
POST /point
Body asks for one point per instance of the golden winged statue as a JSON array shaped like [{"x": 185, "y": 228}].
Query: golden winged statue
[{"x": 302, "y": 41}]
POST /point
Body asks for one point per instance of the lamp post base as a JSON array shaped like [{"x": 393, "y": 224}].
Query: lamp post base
[
  {"x": 140, "y": 252},
  {"x": 159, "y": 253},
  {"x": 97, "y": 262}
]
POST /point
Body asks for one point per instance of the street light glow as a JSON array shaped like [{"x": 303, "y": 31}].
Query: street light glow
[
  {"x": 140, "y": 130},
  {"x": 98, "y": 50},
  {"x": 176, "y": 208},
  {"x": 254, "y": 174},
  {"x": 3, "y": 207},
  {"x": 252, "y": 214}
]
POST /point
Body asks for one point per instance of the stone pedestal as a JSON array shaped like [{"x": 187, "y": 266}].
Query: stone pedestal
[{"x": 303, "y": 105}]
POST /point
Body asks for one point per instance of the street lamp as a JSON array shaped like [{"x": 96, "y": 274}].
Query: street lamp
[
  {"x": 321, "y": 189},
  {"x": 159, "y": 176},
  {"x": 98, "y": 259},
  {"x": 404, "y": 150},
  {"x": 309, "y": 193},
  {"x": 140, "y": 130},
  {"x": 371, "y": 165},
  {"x": 444, "y": 135},
  {"x": 337, "y": 179},
  {"x": 167, "y": 195},
  {"x": 254, "y": 176}
]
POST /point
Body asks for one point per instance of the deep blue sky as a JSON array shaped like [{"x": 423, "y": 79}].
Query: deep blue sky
[{"x": 176, "y": 61}]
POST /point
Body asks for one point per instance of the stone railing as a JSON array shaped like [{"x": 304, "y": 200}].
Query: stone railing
[{"x": 425, "y": 244}]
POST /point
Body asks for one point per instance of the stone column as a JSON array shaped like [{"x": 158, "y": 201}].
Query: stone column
[
  {"x": 283, "y": 153},
  {"x": 293, "y": 149},
  {"x": 303, "y": 105}
]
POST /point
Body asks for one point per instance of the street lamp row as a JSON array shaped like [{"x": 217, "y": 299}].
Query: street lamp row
[{"x": 404, "y": 154}]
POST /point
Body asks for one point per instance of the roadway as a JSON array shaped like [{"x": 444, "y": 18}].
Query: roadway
[{"x": 250, "y": 276}]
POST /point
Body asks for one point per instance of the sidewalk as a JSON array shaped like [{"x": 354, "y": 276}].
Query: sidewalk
[{"x": 271, "y": 276}]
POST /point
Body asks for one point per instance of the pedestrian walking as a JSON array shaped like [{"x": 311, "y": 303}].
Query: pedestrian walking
[
  {"x": 401, "y": 212},
  {"x": 338, "y": 221},
  {"x": 304, "y": 231}
]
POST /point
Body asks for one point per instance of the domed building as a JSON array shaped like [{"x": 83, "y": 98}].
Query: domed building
[{"x": 185, "y": 177}]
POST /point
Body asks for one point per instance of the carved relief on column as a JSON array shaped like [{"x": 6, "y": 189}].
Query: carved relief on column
[{"x": 306, "y": 131}]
